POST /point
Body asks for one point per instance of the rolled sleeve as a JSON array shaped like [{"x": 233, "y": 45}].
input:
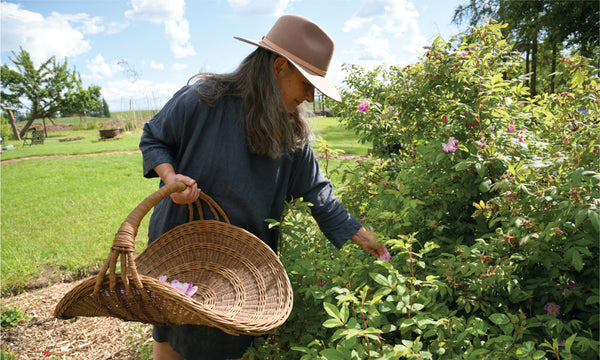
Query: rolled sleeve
[
  {"x": 162, "y": 135},
  {"x": 154, "y": 151}
]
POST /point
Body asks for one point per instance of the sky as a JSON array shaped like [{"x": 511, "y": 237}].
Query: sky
[{"x": 140, "y": 52}]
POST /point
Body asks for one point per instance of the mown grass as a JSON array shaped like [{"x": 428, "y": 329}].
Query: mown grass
[
  {"x": 59, "y": 215},
  {"x": 337, "y": 136}
]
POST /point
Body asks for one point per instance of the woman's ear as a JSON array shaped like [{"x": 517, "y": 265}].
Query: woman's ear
[{"x": 279, "y": 65}]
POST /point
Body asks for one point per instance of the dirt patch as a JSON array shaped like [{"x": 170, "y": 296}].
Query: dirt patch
[
  {"x": 80, "y": 338},
  {"x": 60, "y": 127}
]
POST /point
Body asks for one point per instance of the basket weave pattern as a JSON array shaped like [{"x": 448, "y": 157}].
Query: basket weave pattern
[{"x": 242, "y": 286}]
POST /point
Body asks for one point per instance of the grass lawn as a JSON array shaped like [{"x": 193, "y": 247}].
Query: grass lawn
[
  {"x": 336, "y": 136},
  {"x": 59, "y": 215}
]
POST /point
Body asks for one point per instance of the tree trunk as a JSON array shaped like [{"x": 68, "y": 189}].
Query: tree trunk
[
  {"x": 13, "y": 123},
  {"x": 27, "y": 125},
  {"x": 533, "y": 86},
  {"x": 527, "y": 62},
  {"x": 553, "y": 70}
]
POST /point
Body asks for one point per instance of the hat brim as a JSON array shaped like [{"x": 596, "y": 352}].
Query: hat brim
[{"x": 318, "y": 81}]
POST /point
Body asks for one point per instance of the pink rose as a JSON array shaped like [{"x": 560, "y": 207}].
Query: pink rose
[
  {"x": 363, "y": 106},
  {"x": 451, "y": 146}
]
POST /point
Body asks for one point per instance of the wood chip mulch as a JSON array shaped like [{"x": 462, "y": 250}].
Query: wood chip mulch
[{"x": 44, "y": 336}]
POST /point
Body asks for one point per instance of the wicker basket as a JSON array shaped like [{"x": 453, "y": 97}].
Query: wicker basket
[{"x": 242, "y": 286}]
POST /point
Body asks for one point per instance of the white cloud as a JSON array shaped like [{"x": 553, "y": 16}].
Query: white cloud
[
  {"x": 157, "y": 66},
  {"x": 99, "y": 69},
  {"x": 60, "y": 35},
  {"x": 141, "y": 94},
  {"x": 171, "y": 15},
  {"x": 81, "y": 22},
  {"x": 253, "y": 7},
  {"x": 392, "y": 32},
  {"x": 116, "y": 27},
  {"x": 157, "y": 11},
  {"x": 375, "y": 47},
  {"x": 178, "y": 35}
]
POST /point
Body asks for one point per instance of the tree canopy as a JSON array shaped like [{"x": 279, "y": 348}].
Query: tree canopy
[
  {"x": 542, "y": 31},
  {"x": 45, "y": 91}
]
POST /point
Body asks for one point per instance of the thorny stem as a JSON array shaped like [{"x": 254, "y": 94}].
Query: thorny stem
[
  {"x": 315, "y": 269},
  {"x": 410, "y": 288},
  {"x": 327, "y": 160},
  {"x": 286, "y": 210},
  {"x": 362, "y": 314}
]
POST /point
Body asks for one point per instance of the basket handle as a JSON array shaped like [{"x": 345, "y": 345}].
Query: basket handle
[
  {"x": 217, "y": 211},
  {"x": 124, "y": 242}
]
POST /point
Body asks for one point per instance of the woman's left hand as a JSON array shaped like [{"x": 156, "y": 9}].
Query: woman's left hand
[{"x": 369, "y": 244}]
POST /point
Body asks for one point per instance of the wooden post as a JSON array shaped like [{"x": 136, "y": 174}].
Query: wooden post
[{"x": 13, "y": 122}]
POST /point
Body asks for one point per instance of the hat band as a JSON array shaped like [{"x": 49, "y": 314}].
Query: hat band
[{"x": 293, "y": 57}]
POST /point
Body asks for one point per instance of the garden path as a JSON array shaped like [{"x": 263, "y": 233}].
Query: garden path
[{"x": 84, "y": 338}]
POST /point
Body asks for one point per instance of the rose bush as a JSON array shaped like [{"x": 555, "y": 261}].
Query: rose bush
[{"x": 489, "y": 204}]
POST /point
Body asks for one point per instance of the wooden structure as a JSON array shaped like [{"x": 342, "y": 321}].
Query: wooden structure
[
  {"x": 37, "y": 137},
  {"x": 12, "y": 121}
]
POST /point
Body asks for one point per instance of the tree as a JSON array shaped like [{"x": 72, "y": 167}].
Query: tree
[
  {"x": 83, "y": 100},
  {"x": 541, "y": 30},
  {"x": 44, "y": 91},
  {"x": 105, "y": 109}
]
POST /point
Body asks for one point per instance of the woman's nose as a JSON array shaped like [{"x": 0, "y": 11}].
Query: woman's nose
[{"x": 310, "y": 95}]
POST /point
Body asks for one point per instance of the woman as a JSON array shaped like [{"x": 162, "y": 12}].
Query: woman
[{"x": 242, "y": 139}]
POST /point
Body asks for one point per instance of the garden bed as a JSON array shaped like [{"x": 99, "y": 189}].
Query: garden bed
[{"x": 44, "y": 336}]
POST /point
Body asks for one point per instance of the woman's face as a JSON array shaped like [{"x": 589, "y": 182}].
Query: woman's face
[{"x": 293, "y": 86}]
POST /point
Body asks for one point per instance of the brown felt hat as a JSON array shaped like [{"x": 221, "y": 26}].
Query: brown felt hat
[{"x": 306, "y": 45}]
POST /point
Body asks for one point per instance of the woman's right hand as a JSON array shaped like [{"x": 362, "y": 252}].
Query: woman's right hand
[
  {"x": 168, "y": 176},
  {"x": 191, "y": 192}
]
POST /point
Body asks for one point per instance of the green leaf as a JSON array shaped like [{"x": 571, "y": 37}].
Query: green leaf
[
  {"x": 595, "y": 219},
  {"x": 350, "y": 333},
  {"x": 462, "y": 165},
  {"x": 331, "y": 323},
  {"x": 301, "y": 349},
  {"x": 499, "y": 319},
  {"x": 580, "y": 216},
  {"x": 380, "y": 279},
  {"x": 332, "y": 311},
  {"x": 569, "y": 343},
  {"x": 344, "y": 313},
  {"x": 338, "y": 334},
  {"x": 485, "y": 186},
  {"x": 332, "y": 354},
  {"x": 577, "y": 260},
  {"x": 592, "y": 300}
]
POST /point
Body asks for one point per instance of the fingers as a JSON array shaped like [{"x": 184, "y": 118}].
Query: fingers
[
  {"x": 189, "y": 194},
  {"x": 383, "y": 253},
  {"x": 379, "y": 251}
]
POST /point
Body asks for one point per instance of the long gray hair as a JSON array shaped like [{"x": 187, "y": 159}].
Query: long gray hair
[{"x": 270, "y": 129}]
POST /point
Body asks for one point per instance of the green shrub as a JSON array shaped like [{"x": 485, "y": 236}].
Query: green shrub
[
  {"x": 5, "y": 130},
  {"x": 12, "y": 316},
  {"x": 7, "y": 355},
  {"x": 488, "y": 201}
]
